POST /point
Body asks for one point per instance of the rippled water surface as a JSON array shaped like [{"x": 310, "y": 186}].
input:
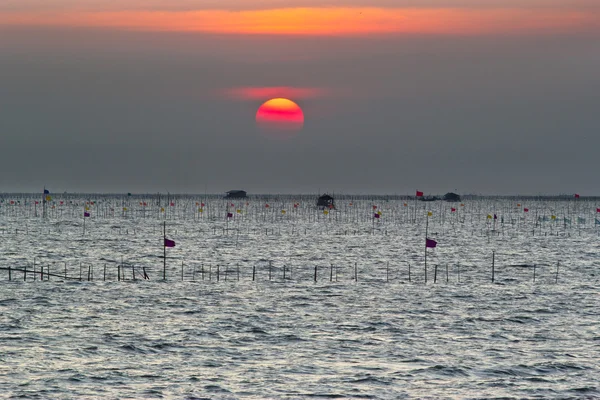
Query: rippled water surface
[{"x": 383, "y": 336}]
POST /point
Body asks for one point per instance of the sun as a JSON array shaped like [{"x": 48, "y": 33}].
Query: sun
[{"x": 280, "y": 116}]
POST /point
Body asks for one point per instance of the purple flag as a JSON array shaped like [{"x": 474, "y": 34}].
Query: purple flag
[
  {"x": 430, "y": 243},
  {"x": 86, "y": 214},
  {"x": 375, "y": 215},
  {"x": 495, "y": 216},
  {"x": 169, "y": 243},
  {"x": 229, "y": 215}
]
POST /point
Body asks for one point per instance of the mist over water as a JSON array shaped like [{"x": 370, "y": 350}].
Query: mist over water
[{"x": 378, "y": 337}]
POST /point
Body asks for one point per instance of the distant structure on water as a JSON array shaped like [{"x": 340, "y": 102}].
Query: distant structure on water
[
  {"x": 325, "y": 201},
  {"x": 428, "y": 198},
  {"x": 236, "y": 194},
  {"x": 451, "y": 197}
]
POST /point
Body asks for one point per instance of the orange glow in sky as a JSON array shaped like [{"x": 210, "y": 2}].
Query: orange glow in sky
[
  {"x": 331, "y": 21},
  {"x": 280, "y": 115}
]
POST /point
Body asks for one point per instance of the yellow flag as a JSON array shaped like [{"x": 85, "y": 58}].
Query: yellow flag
[
  {"x": 200, "y": 210},
  {"x": 283, "y": 211},
  {"x": 238, "y": 211},
  {"x": 87, "y": 208},
  {"x": 162, "y": 209},
  {"x": 489, "y": 216},
  {"x": 124, "y": 208},
  {"x": 325, "y": 212},
  {"x": 379, "y": 212},
  {"x": 429, "y": 213},
  {"x": 48, "y": 198},
  {"x": 554, "y": 217}
]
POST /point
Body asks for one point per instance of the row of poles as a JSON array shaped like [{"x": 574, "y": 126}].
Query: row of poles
[{"x": 86, "y": 273}]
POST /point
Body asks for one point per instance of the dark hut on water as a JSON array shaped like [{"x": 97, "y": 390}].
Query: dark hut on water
[
  {"x": 235, "y": 194},
  {"x": 325, "y": 201},
  {"x": 451, "y": 197}
]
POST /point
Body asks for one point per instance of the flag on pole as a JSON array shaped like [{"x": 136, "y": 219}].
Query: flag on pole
[
  {"x": 374, "y": 207},
  {"x": 576, "y": 195},
  {"x": 169, "y": 243},
  {"x": 453, "y": 209},
  {"x": 419, "y": 194},
  {"x": 598, "y": 210},
  {"x": 430, "y": 243},
  {"x": 46, "y": 191},
  {"x": 429, "y": 213},
  {"x": 597, "y": 222},
  {"x": 229, "y": 215},
  {"x": 375, "y": 215},
  {"x": 86, "y": 214},
  {"x": 526, "y": 210},
  {"x": 495, "y": 216}
]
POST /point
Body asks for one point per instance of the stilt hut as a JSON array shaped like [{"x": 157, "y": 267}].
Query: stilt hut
[
  {"x": 236, "y": 194},
  {"x": 325, "y": 201},
  {"x": 451, "y": 197}
]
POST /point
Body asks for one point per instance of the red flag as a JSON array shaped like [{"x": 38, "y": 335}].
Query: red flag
[
  {"x": 419, "y": 194},
  {"x": 202, "y": 205},
  {"x": 576, "y": 195},
  {"x": 598, "y": 210},
  {"x": 374, "y": 207},
  {"x": 172, "y": 204},
  {"x": 526, "y": 209},
  {"x": 266, "y": 206},
  {"x": 169, "y": 243},
  {"x": 37, "y": 202},
  {"x": 453, "y": 209},
  {"x": 430, "y": 243}
]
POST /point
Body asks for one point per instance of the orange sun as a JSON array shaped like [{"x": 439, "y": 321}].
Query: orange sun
[{"x": 280, "y": 116}]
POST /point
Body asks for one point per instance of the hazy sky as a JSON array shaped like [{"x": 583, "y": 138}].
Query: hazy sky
[{"x": 478, "y": 96}]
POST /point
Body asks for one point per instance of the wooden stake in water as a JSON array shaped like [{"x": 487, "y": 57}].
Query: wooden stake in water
[
  {"x": 533, "y": 273},
  {"x": 253, "y": 273},
  {"x": 493, "y": 264},
  {"x": 435, "y": 274},
  {"x": 315, "y": 273},
  {"x": 409, "y": 272},
  {"x": 426, "y": 232},
  {"x": 556, "y": 278},
  {"x": 355, "y": 272},
  {"x": 164, "y": 250},
  {"x": 331, "y": 273},
  {"x": 447, "y": 273}
]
